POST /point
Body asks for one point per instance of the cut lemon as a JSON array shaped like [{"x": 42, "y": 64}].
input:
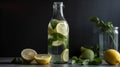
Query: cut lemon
[
  {"x": 65, "y": 55},
  {"x": 42, "y": 58},
  {"x": 28, "y": 54},
  {"x": 50, "y": 29},
  {"x": 57, "y": 43},
  {"x": 62, "y": 28}
]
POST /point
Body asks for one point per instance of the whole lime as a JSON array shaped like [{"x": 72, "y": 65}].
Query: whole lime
[{"x": 87, "y": 53}]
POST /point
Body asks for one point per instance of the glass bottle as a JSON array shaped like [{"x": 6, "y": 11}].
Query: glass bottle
[
  {"x": 108, "y": 40},
  {"x": 58, "y": 35}
]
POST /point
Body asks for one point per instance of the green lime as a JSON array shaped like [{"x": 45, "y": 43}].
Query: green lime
[{"x": 87, "y": 54}]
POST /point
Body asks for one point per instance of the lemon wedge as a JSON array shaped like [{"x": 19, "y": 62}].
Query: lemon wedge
[
  {"x": 65, "y": 55},
  {"x": 28, "y": 54},
  {"x": 42, "y": 58},
  {"x": 62, "y": 28}
]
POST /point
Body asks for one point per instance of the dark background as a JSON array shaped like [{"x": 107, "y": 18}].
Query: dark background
[{"x": 24, "y": 23}]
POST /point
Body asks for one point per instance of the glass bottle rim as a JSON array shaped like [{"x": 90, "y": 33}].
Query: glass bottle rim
[
  {"x": 116, "y": 27},
  {"x": 58, "y": 3}
]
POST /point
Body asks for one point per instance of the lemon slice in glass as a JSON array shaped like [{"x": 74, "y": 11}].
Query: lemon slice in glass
[
  {"x": 65, "y": 55},
  {"x": 62, "y": 28},
  {"x": 42, "y": 58},
  {"x": 28, "y": 54}
]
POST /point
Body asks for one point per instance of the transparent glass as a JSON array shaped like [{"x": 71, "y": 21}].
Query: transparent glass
[
  {"x": 58, "y": 35},
  {"x": 108, "y": 40}
]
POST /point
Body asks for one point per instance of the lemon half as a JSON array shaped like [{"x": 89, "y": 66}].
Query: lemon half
[
  {"x": 28, "y": 54},
  {"x": 65, "y": 55},
  {"x": 42, "y": 58}
]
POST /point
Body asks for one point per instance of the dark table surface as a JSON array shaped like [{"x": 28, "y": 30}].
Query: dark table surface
[{"x": 5, "y": 62}]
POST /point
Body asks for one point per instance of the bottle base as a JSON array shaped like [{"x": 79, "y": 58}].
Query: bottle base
[
  {"x": 59, "y": 62},
  {"x": 56, "y": 59}
]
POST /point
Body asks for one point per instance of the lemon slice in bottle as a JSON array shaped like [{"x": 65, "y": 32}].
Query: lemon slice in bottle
[
  {"x": 50, "y": 29},
  {"x": 57, "y": 43},
  {"x": 42, "y": 58},
  {"x": 65, "y": 55},
  {"x": 62, "y": 28},
  {"x": 28, "y": 54}
]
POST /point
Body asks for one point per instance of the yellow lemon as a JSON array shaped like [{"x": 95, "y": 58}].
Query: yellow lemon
[
  {"x": 65, "y": 55},
  {"x": 42, "y": 58},
  {"x": 111, "y": 56},
  {"x": 28, "y": 54}
]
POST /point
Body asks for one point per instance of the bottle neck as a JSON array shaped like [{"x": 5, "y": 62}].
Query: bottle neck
[{"x": 58, "y": 12}]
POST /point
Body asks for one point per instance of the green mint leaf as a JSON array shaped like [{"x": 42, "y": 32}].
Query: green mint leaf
[
  {"x": 58, "y": 36},
  {"x": 94, "y": 19},
  {"x": 18, "y": 60},
  {"x": 85, "y": 62},
  {"x": 101, "y": 24},
  {"x": 53, "y": 23},
  {"x": 96, "y": 61},
  {"x": 80, "y": 61},
  {"x": 50, "y": 42},
  {"x": 74, "y": 58},
  {"x": 73, "y": 62},
  {"x": 109, "y": 24}
]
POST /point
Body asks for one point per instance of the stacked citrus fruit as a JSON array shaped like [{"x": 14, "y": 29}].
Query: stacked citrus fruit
[{"x": 29, "y": 55}]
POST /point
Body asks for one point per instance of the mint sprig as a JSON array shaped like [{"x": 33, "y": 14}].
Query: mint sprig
[
  {"x": 76, "y": 60},
  {"x": 54, "y": 23},
  {"x": 19, "y": 60},
  {"x": 105, "y": 26}
]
